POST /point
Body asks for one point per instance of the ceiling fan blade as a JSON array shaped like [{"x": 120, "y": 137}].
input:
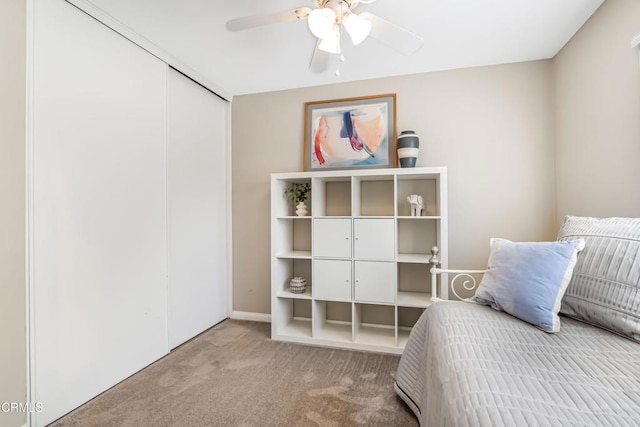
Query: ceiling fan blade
[
  {"x": 398, "y": 38},
  {"x": 319, "y": 60},
  {"x": 259, "y": 20}
]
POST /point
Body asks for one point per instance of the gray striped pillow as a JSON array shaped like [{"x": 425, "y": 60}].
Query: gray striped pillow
[{"x": 605, "y": 288}]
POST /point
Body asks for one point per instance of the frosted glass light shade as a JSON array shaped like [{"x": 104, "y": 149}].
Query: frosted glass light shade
[
  {"x": 357, "y": 27},
  {"x": 331, "y": 41},
  {"x": 321, "y": 21}
]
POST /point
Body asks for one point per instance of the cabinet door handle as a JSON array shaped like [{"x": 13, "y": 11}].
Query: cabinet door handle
[{"x": 346, "y": 238}]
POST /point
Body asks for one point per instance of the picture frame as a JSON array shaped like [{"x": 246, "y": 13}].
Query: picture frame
[{"x": 350, "y": 133}]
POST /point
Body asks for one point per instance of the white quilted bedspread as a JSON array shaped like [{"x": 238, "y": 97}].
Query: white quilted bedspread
[{"x": 469, "y": 365}]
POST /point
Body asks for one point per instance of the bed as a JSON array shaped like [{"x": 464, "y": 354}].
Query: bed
[{"x": 472, "y": 365}]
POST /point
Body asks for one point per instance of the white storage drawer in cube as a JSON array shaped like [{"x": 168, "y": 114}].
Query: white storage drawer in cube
[
  {"x": 332, "y": 237},
  {"x": 375, "y": 281},
  {"x": 374, "y": 238},
  {"x": 332, "y": 279}
]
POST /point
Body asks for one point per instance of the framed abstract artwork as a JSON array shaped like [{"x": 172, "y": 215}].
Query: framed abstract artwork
[{"x": 351, "y": 133}]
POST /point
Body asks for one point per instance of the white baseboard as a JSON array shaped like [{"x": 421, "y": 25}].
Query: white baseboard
[{"x": 247, "y": 315}]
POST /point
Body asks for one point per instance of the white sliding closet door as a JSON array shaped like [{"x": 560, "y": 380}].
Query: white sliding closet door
[
  {"x": 98, "y": 213},
  {"x": 196, "y": 208}
]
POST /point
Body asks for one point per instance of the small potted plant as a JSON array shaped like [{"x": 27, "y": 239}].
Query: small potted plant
[{"x": 298, "y": 193}]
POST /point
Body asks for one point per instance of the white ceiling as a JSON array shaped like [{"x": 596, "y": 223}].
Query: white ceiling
[{"x": 457, "y": 34}]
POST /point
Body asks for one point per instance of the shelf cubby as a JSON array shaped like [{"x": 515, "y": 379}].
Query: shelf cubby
[
  {"x": 415, "y": 239},
  {"x": 332, "y": 196},
  {"x": 407, "y": 318},
  {"x": 283, "y": 207},
  {"x": 286, "y": 269},
  {"x": 414, "y": 285},
  {"x": 374, "y": 324},
  {"x": 425, "y": 186},
  {"x": 332, "y": 321},
  {"x": 373, "y": 196},
  {"x": 294, "y": 237},
  {"x": 295, "y": 317}
]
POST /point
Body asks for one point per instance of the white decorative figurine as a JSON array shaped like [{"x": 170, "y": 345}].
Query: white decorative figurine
[{"x": 417, "y": 205}]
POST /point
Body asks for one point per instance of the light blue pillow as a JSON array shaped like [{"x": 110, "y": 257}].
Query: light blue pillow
[{"x": 528, "y": 280}]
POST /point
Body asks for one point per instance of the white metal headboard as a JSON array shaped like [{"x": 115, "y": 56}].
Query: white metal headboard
[{"x": 469, "y": 284}]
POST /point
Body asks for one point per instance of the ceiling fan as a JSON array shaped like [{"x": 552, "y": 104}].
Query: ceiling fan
[{"x": 327, "y": 22}]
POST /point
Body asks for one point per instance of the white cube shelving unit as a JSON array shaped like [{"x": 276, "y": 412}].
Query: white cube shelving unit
[{"x": 364, "y": 257}]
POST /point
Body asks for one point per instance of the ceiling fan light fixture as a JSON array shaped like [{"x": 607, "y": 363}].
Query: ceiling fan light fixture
[
  {"x": 331, "y": 41},
  {"x": 321, "y": 21},
  {"x": 357, "y": 27}
]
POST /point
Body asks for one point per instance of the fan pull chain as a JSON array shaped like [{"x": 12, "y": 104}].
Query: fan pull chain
[
  {"x": 338, "y": 68},
  {"x": 341, "y": 54}
]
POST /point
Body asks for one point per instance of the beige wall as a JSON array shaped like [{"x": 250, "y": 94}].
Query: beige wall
[
  {"x": 491, "y": 126},
  {"x": 597, "y": 78},
  {"x": 12, "y": 190}
]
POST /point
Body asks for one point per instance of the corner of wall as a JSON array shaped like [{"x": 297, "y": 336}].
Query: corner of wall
[{"x": 596, "y": 108}]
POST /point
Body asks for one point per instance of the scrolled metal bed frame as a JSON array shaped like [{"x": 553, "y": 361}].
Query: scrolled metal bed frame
[{"x": 469, "y": 284}]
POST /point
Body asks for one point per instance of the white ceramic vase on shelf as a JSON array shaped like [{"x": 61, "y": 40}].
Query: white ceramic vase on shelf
[{"x": 301, "y": 209}]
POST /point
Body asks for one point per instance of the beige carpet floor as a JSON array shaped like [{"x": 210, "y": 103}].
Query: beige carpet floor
[{"x": 234, "y": 375}]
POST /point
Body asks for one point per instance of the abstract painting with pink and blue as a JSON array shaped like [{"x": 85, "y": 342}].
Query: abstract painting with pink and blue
[{"x": 349, "y": 137}]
